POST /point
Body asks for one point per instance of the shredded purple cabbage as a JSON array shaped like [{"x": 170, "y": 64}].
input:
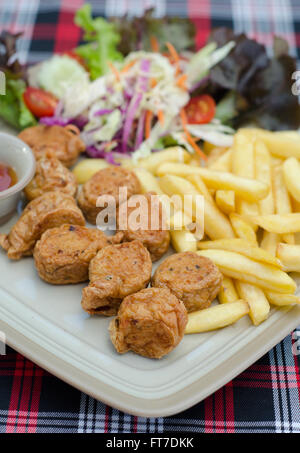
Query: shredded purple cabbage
[
  {"x": 96, "y": 153},
  {"x": 79, "y": 121},
  {"x": 54, "y": 121},
  {"x": 142, "y": 85},
  {"x": 140, "y": 130},
  {"x": 103, "y": 112}
]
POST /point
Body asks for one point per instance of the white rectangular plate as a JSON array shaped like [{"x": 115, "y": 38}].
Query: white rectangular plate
[{"x": 46, "y": 324}]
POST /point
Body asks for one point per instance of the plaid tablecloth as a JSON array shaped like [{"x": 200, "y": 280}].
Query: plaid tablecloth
[{"x": 265, "y": 398}]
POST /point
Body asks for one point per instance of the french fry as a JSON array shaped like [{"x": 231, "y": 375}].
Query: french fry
[
  {"x": 282, "y": 299},
  {"x": 248, "y": 189},
  {"x": 228, "y": 292},
  {"x": 281, "y": 143},
  {"x": 201, "y": 187},
  {"x": 86, "y": 168},
  {"x": 216, "y": 224},
  {"x": 289, "y": 255},
  {"x": 278, "y": 223},
  {"x": 275, "y": 161},
  {"x": 291, "y": 174},
  {"x": 282, "y": 199},
  {"x": 242, "y": 268},
  {"x": 223, "y": 162},
  {"x": 242, "y": 228},
  {"x": 148, "y": 181},
  {"x": 295, "y": 205},
  {"x": 269, "y": 242},
  {"x": 243, "y": 165},
  {"x": 245, "y": 135},
  {"x": 263, "y": 173},
  {"x": 183, "y": 241},
  {"x": 179, "y": 220},
  {"x": 126, "y": 162},
  {"x": 216, "y": 317},
  {"x": 213, "y": 153},
  {"x": 194, "y": 162},
  {"x": 172, "y": 154},
  {"x": 243, "y": 247},
  {"x": 257, "y": 301},
  {"x": 225, "y": 200}
]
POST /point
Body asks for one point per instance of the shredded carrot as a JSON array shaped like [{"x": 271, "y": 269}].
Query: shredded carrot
[
  {"x": 154, "y": 44},
  {"x": 114, "y": 70},
  {"x": 174, "y": 55},
  {"x": 153, "y": 82},
  {"x": 189, "y": 137},
  {"x": 128, "y": 66},
  {"x": 161, "y": 117},
  {"x": 180, "y": 82},
  {"x": 148, "y": 120},
  {"x": 172, "y": 51}
]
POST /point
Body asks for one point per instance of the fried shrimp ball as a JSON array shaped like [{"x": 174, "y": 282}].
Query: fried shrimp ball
[
  {"x": 63, "y": 143},
  {"x": 150, "y": 323},
  {"x": 194, "y": 279},
  {"x": 115, "y": 272},
  {"x": 47, "y": 211},
  {"x": 107, "y": 181},
  {"x": 151, "y": 230},
  {"x": 63, "y": 254},
  {"x": 51, "y": 175}
]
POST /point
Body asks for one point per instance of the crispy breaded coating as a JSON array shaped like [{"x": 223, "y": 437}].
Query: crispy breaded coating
[
  {"x": 50, "y": 176},
  {"x": 63, "y": 143},
  {"x": 150, "y": 323},
  {"x": 194, "y": 279},
  {"x": 62, "y": 255},
  {"x": 115, "y": 272},
  {"x": 107, "y": 181},
  {"x": 154, "y": 235},
  {"x": 47, "y": 211}
]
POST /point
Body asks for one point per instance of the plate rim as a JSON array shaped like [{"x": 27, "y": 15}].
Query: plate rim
[{"x": 157, "y": 407}]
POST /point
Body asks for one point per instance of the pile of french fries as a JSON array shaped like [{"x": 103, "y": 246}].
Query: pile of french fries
[{"x": 251, "y": 216}]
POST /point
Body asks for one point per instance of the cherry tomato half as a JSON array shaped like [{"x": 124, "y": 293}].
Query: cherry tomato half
[
  {"x": 40, "y": 102},
  {"x": 200, "y": 109}
]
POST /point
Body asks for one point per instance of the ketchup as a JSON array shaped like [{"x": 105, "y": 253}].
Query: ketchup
[{"x": 8, "y": 177}]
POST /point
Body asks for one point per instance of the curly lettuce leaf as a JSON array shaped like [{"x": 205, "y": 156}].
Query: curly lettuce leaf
[
  {"x": 12, "y": 107},
  {"x": 102, "y": 41},
  {"x": 253, "y": 88},
  {"x": 136, "y": 32}
]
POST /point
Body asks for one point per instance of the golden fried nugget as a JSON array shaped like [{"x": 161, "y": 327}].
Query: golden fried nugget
[
  {"x": 51, "y": 175},
  {"x": 154, "y": 235},
  {"x": 115, "y": 272},
  {"x": 150, "y": 323},
  {"x": 63, "y": 143},
  {"x": 63, "y": 254},
  {"x": 107, "y": 181},
  {"x": 195, "y": 282},
  {"x": 47, "y": 211}
]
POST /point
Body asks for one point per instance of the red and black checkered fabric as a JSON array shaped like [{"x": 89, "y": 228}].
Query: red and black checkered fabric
[{"x": 265, "y": 398}]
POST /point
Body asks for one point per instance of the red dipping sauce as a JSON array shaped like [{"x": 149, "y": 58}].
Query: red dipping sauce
[{"x": 8, "y": 177}]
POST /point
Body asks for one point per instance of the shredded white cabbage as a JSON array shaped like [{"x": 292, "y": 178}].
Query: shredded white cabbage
[{"x": 117, "y": 103}]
